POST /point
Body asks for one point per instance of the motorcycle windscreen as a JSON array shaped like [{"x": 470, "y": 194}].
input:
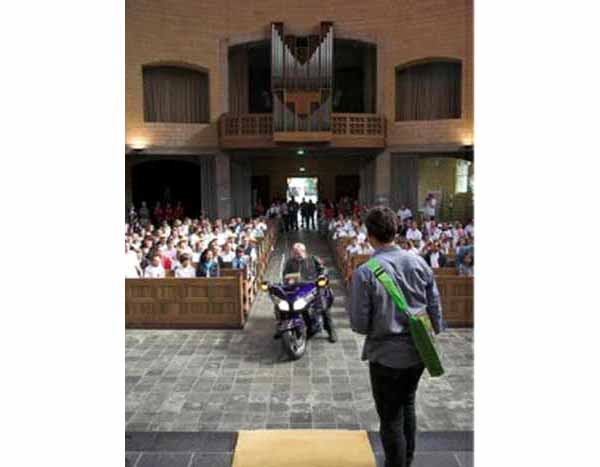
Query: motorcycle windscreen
[{"x": 292, "y": 278}]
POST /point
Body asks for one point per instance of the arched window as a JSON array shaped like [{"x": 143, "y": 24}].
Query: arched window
[
  {"x": 175, "y": 94},
  {"x": 429, "y": 91}
]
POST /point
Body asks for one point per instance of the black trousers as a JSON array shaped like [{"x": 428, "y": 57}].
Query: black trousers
[{"x": 394, "y": 392}]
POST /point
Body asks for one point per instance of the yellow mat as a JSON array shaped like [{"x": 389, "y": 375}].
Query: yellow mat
[{"x": 303, "y": 448}]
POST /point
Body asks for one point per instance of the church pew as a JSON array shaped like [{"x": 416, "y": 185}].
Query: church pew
[
  {"x": 456, "y": 294},
  {"x": 353, "y": 262},
  {"x": 446, "y": 271},
  {"x": 199, "y": 303},
  {"x": 247, "y": 286}
]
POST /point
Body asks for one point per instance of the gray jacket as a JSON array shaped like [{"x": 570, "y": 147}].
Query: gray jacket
[{"x": 373, "y": 313}]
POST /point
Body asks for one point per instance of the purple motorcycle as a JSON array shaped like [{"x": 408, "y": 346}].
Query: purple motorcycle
[{"x": 298, "y": 310}]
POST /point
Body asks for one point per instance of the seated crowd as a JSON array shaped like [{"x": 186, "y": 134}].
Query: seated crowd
[
  {"x": 189, "y": 247},
  {"x": 445, "y": 244}
]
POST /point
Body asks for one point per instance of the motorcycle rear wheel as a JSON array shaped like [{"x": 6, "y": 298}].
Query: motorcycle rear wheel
[{"x": 294, "y": 343}]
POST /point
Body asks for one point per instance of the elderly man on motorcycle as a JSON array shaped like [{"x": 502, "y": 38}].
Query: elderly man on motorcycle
[{"x": 308, "y": 268}]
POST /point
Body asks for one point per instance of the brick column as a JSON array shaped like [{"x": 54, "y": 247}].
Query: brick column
[
  {"x": 223, "y": 176},
  {"x": 383, "y": 178},
  {"x": 128, "y": 185}
]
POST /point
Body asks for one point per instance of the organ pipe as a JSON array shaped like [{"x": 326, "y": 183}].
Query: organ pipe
[{"x": 297, "y": 72}]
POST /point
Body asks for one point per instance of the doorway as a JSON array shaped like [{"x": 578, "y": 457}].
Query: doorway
[
  {"x": 301, "y": 188},
  {"x": 167, "y": 181}
]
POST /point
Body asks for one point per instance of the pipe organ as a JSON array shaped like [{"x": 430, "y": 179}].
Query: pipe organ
[{"x": 301, "y": 83}]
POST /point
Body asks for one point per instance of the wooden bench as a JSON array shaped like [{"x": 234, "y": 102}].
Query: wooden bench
[
  {"x": 457, "y": 299},
  {"x": 199, "y": 303},
  {"x": 248, "y": 286},
  {"x": 196, "y": 303},
  {"x": 445, "y": 272}
]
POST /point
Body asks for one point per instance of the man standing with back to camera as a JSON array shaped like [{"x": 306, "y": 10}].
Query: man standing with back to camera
[{"x": 394, "y": 364}]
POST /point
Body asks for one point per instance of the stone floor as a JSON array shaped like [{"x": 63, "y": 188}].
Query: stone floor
[{"x": 189, "y": 381}]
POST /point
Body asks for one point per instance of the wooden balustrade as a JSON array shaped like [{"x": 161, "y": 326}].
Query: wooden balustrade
[{"x": 256, "y": 131}]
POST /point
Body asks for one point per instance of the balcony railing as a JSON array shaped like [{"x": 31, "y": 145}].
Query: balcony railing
[{"x": 256, "y": 131}]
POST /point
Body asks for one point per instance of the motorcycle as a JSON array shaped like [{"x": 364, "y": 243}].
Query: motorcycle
[{"x": 298, "y": 310}]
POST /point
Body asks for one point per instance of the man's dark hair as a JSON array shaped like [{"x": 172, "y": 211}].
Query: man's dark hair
[{"x": 382, "y": 224}]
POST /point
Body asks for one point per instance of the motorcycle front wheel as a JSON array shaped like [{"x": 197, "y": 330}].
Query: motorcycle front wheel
[{"x": 294, "y": 343}]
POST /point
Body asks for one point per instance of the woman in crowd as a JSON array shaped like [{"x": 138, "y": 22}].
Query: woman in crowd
[
  {"x": 208, "y": 265},
  {"x": 465, "y": 268}
]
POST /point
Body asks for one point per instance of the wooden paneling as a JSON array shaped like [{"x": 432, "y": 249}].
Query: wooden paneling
[
  {"x": 198, "y": 303},
  {"x": 457, "y": 300},
  {"x": 302, "y": 136}
]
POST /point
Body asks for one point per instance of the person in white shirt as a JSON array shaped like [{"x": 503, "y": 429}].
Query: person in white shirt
[
  {"x": 366, "y": 248},
  {"x": 404, "y": 213},
  {"x": 413, "y": 233},
  {"x": 354, "y": 248},
  {"x": 470, "y": 229},
  {"x": 262, "y": 225},
  {"x": 185, "y": 270},
  {"x": 435, "y": 232},
  {"x": 227, "y": 254},
  {"x": 154, "y": 270},
  {"x": 430, "y": 204},
  {"x": 132, "y": 263},
  {"x": 162, "y": 245},
  {"x": 273, "y": 211},
  {"x": 194, "y": 237}
]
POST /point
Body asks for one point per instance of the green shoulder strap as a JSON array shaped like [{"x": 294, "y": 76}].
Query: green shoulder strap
[
  {"x": 389, "y": 284},
  {"x": 419, "y": 326}
]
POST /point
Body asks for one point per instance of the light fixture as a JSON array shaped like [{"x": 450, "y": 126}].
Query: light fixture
[
  {"x": 300, "y": 151},
  {"x": 302, "y": 169},
  {"x": 138, "y": 145}
]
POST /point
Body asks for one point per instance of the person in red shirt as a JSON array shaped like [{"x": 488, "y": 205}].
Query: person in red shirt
[
  {"x": 179, "y": 212},
  {"x": 329, "y": 211},
  {"x": 167, "y": 264},
  {"x": 158, "y": 213},
  {"x": 169, "y": 213},
  {"x": 260, "y": 209},
  {"x": 356, "y": 209}
]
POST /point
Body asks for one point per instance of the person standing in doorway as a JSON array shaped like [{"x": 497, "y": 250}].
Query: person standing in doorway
[
  {"x": 304, "y": 213},
  {"x": 394, "y": 363},
  {"x": 285, "y": 216},
  {"x": 293, "y": 213},
  {"x": 310, "y": 212}
]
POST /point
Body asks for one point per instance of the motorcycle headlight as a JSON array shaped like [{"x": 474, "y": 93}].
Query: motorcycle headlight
[
  {"x": 299, "y": 304},
  {"x": 283, "y": 305}
]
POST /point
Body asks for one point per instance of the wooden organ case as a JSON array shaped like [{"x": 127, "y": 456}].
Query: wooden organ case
[{"x": 301, "y": 85}]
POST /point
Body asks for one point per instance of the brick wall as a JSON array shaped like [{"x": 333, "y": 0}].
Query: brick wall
[{"x": 197, "y": 32}]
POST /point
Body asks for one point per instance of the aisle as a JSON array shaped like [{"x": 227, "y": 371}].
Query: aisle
[{"x": 186, "y": 380}]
